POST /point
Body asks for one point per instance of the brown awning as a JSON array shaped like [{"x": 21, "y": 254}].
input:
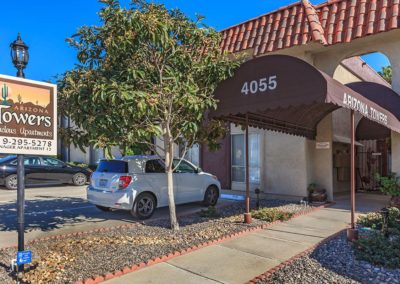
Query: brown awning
[
  {"x": 286, "y": 94},
  {"x": 386, "y": 98},
  {"x": 369, "y": 130}
]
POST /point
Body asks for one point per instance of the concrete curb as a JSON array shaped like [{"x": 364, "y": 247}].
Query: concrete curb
[
  {"x": 164, "y": 258},
  {"x": 282, "y": 265}
]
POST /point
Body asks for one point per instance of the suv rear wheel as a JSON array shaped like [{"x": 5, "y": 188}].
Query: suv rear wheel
[
  {"x": 11, "y": 182},
  {"x": 144, "y": 206}
]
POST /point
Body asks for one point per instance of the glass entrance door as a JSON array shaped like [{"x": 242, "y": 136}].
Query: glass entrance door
[{"x": 239, "y": 158}]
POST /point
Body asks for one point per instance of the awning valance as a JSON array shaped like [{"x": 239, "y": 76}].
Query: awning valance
[{"x": 286, "y": 94}]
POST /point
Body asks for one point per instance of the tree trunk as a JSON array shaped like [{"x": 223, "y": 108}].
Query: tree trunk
[{"x": 169, "y": 158}]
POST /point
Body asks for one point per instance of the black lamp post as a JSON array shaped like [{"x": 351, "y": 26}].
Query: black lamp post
[
  {"x": 385, "y": 223},
  {"x": 20, "y": 57}
]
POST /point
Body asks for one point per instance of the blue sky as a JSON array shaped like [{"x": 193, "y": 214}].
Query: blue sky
[{"x": 45, "y": 24}]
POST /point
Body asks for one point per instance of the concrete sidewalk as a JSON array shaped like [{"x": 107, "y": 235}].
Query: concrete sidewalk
[{"x": 241, "y": 259}]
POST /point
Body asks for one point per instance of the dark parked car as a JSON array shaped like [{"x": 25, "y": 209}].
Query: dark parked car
[{"x": 40, "y": 171}]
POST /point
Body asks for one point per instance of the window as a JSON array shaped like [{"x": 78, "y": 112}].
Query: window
[
  {"x": 112, "y": 167},
  {"x": 52, "y": 162},
  {"x": 193, "y": 155},
  {"x": 154, "y": 166},
  {"x": 32, "y": 161},
  {"x": 183, "y": 167},
  {"x": 239, "y": 158},
  {"x": 7, "y": 159}
]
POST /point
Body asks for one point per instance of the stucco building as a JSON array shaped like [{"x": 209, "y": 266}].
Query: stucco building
[{"x": 331, "y": 37}]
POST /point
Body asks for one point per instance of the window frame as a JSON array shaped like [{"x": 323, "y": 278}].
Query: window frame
[{"x": 259, "y": 168}]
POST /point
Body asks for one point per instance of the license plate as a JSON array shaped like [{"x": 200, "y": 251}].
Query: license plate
[{"x": 103, "y": 183}]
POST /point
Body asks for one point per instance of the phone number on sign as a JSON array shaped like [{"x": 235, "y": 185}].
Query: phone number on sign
[{"x": 26, "y": 143}]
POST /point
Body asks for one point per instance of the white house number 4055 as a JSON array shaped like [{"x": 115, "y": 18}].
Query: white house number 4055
[{"x": 262, "y": 85}]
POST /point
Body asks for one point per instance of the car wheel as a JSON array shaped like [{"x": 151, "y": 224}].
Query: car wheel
[
  {"x": 11, "y": 182},
  {"x": 79, "y": 179},
  {"x": 211, "y": 196},
  {"x": 103, "y": 208},
  {"x": 144, "y": 206}
]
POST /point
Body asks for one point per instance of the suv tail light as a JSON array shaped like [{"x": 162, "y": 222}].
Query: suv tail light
[{"x": 124, "y": 181}]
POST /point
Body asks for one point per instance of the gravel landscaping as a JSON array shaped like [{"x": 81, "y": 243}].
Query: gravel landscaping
[
  {"x": 332, "y": 262},
  {"x": 79, "y": 257}
]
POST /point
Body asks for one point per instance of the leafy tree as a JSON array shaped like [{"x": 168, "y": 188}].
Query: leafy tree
[
  {"x": 145, "y": 72},
  {"x": 386, "y": 73}
]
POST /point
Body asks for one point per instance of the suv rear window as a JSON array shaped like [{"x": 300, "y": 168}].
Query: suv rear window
[{"x": 112, "y": 167}]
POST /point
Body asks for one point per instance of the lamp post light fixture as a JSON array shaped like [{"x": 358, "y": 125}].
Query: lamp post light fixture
[
  {"x": 19, "y": 55},
  {"x": 20, "y": 58}
]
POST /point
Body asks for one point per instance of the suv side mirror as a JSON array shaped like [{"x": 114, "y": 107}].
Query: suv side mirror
[{"x": 198, "y": 170}]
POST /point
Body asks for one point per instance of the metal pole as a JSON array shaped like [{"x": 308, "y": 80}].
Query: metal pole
[
  {"x": 353, "y": 170},
  {"x": 247, "y": 215},
  {"x": 21, "y": 200},
  {"x": 352, "y": 233}
]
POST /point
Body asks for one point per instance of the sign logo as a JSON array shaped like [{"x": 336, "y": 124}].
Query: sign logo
[{"x": 28, "y": 117}]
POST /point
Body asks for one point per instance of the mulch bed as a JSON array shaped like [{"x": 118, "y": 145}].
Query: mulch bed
[
  {"x": 332, "y": 262},
  {"x": 77, "y": 258}
]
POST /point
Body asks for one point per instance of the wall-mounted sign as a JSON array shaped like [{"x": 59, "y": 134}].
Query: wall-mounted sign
[
  {"x": 28, "y": 117},
  {"x": 322, "y": 145}
]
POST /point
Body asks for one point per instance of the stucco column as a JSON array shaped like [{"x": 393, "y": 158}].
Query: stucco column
[
  {"x": 322, "y": 163},
  {"x": 395, "y": 152},
  {"x": 392, "y": 51}
]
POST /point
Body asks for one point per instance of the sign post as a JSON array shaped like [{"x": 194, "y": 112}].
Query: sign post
[
  {"x": 21, "y": 206},
  {"x": 28, "y": 126}
]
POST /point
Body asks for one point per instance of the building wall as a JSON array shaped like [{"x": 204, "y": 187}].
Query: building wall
[
  {"x": 321, "y": 159},
  {"x": 344, "y": 76},
  {"x": 286, "y": 164},
  {"x": 218, "y": 162}
]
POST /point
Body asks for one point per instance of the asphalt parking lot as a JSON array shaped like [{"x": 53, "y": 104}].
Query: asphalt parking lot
[{"x": 60, "y": 210}]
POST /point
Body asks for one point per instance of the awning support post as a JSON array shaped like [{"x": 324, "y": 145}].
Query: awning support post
[
  {"x": 352, "y": 233},
  {"x": 247, "y": 215}
]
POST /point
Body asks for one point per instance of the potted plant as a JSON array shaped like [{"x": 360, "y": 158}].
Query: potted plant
[
  {"x": 390, "y": 185},
  {"x": 316, "y": 194}
]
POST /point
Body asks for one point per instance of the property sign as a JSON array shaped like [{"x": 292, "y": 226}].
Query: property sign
[
  {"x": 28, "y": 117},
  {"x": 24, "y": 257},
  {"x": 322, "y": 145}
]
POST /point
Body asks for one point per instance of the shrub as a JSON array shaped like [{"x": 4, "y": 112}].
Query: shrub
[
  {"x": 389, "y": 185},
  {"x": 271, "y": 214},
  {"x": 210, "y": 212},
  {"x": 374, "y": 220},
  {"x": 378, "y": 250}
]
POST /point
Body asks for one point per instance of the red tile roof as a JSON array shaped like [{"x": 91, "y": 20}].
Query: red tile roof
[{"x": 335, "y": 21}]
